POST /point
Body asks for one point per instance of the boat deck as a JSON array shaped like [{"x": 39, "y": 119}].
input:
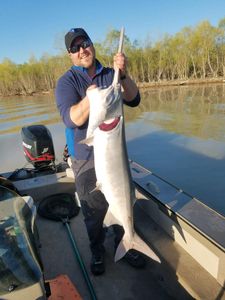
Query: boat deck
[
  {"x": 179, "y": 276},
  {"x": 120, "y": 281}
]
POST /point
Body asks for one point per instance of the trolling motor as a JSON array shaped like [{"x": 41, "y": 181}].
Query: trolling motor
[{"x": 38, "y": 146}]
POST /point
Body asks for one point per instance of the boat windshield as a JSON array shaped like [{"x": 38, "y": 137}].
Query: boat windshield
[{"x": 19, "y": 267}]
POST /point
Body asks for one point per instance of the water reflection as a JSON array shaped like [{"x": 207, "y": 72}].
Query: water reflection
[
  {"x": 196, "y": 111},
  {"x": 179, "y": 134},
  {"x": 16, "y": 112}
]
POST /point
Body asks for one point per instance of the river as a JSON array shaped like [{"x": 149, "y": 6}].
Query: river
[{"x": 176, "y": 132}]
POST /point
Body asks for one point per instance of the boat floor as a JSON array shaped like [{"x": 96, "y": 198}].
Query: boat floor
[
  {"x": 179, "y": 276},
  {"x": 120, "y": 281}
]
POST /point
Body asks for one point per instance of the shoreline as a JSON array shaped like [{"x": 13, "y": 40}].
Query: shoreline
[
  {"x": 162, "y": 83},
  {"x": 143, "y": 85}
]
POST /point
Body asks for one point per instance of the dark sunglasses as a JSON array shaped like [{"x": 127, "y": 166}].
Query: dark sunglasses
[{"x": 84, "y": 45}]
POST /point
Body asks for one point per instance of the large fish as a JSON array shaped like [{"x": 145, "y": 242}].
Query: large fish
[{"x": 107, "y": 135}]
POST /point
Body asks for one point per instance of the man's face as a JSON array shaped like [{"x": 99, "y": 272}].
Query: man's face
[{"x": 83, "y": 57}]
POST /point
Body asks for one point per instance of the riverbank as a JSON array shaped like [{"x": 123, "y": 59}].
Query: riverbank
[
  {"x": 143, "y": 85},
  {"x": 147, "y": 85}
]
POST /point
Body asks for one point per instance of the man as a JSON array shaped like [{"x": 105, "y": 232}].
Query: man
[{"x": 73, "y": 104}]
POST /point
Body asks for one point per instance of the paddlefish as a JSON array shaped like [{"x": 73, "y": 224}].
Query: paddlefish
[{"x": 106, "y": 133}]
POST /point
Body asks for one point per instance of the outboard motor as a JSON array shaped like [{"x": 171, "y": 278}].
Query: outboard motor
[{"x": 38, "y": 146}]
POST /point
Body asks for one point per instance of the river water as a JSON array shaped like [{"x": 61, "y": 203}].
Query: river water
[{"x": 176, "y": 132}]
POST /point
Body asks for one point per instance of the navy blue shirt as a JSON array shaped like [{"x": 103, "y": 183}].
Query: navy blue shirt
[{"x": 71, "y": 89}]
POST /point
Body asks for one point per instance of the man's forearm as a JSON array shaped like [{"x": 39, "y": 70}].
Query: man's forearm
[
  {"x": 130, "y": 88},
  {"x": 79, "y": 112}
]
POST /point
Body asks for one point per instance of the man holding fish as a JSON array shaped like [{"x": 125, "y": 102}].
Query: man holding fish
[{"x": 73, "y": 102}]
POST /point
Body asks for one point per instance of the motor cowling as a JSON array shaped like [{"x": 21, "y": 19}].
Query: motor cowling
[{"x": 38, "y": 146}]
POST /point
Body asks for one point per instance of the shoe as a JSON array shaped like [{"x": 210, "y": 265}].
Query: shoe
[
  {"x": 135, "y": 259},
  {"x": 97, "y": 264}
]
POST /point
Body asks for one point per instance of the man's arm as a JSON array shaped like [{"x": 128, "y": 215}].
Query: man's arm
[
  {"x": 79, "y": 112},
  {"x": 130, "y": 89}
]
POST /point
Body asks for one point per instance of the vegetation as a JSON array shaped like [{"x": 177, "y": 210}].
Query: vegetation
[{"x": 192, "y": 53}]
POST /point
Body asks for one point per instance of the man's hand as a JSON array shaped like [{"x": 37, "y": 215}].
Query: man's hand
[
  {"x": 120, "y": 62},
  {"x": 91, "y": 87},
  {"x": 129, "y": 87}
]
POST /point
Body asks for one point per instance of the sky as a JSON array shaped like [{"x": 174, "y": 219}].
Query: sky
[{"x": 33, "y": 28}]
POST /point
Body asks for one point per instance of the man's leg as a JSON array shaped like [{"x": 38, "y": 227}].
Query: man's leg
[{"x": 94, "y": 207}]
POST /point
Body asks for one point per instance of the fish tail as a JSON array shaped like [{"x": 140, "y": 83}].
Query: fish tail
[{"x": 136, "y": 243}]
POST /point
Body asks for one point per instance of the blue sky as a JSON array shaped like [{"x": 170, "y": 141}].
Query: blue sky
[{"x": 29, "y": 27}]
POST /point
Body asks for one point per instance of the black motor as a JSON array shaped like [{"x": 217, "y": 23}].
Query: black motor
[{"x": 38, "y": 146}]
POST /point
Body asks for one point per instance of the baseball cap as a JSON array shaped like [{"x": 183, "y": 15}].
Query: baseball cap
[{"x": 74, "y": 33}]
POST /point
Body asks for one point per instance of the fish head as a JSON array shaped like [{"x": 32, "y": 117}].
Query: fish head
[{"x": 105, "y": 106}]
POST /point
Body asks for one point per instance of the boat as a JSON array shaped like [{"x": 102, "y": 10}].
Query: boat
[{"x": 43, "y": 257}]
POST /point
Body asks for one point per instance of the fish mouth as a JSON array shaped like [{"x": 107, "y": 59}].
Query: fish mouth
[{"x": 109, "y": 124}]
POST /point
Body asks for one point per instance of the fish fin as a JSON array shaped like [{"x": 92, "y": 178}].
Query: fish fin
[
  {"x": 88, "y": 141},
  {"x": 110, "y": 219},
  {"x": 140, "y": 245},
  {"x": 97, "y": 188},
  {"x": 122, "y": 249},
  {"x": 136, "y": 243},
  {"x": 133, "y": 196},
  {"x": 139, "y": 199}
]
